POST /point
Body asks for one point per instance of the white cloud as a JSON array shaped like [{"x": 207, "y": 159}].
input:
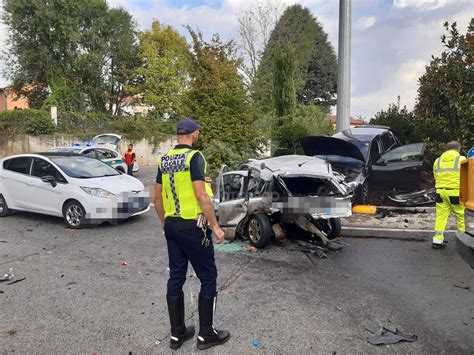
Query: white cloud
[
  {"x": 365, "y": 22},
  {"x": 409, "y": 72},
  {"x": 420, "y": 4}
]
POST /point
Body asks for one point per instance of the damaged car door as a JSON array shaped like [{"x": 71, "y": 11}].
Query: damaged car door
[
  {"x": 399, "y": 168},
  {"x": 232, "y": 200}
]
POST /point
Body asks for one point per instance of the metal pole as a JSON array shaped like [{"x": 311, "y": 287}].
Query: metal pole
[{"x": 344, "y": 68}]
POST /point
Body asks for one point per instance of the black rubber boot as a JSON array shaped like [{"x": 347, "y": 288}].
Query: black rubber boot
[
  {"x": 208, "y": 335},
  {"x": 179, "y": 332}
]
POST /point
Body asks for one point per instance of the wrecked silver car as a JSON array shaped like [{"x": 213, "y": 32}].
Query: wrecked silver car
[{"x": 267, "y": 197}]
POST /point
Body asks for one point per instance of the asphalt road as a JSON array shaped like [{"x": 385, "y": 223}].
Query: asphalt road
[{"x": 78, "y": 297}]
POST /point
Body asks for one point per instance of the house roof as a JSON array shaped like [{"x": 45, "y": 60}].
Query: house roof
[{"x": 353, "y": 121}]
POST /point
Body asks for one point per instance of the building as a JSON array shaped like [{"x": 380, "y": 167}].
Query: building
[
  {"x": 9, "y": 101},
  {"x": 353, "y": 121}
]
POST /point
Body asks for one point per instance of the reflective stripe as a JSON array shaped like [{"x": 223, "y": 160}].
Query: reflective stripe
[
  {"x": 445, "y": 170},
  {"x": 455, "y": 169},
  {"x": 174, "y": 338},
  {"x": 456, "y": 162}
]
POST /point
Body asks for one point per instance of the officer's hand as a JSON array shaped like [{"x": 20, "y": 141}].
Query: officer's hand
[{"x": 219, "y": 233}]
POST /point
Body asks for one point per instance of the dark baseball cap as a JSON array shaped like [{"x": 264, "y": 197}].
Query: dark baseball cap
[{"x": 187, "y": 126}]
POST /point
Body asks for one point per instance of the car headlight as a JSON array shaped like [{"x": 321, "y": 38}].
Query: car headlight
[{"x": 97, "y": 192}]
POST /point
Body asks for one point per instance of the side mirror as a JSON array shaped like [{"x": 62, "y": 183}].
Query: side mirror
[
  {"x": 262, "y": 165},
  {"x": 50, "y": 179}
]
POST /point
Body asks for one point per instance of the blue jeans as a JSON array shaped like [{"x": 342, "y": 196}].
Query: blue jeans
[{"x": 185, "y": 244}]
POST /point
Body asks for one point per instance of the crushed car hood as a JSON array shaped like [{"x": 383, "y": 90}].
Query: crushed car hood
[
  {"x": 292, "y": 166},
  {"x": 320, "y": 145}
]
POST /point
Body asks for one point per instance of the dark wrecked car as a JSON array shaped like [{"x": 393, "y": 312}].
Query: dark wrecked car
[
  {"x": 371, "y": 158},
  {"x": 268, "y": 196}
]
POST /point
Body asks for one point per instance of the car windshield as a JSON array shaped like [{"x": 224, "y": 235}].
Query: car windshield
[
  {"x": 339, "y": 159},
  {"x": 106, "y": 140},
  {"x": 84, "y": 167}
]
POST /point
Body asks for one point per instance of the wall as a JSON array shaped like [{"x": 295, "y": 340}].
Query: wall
[{"x": 146, "y": 155}]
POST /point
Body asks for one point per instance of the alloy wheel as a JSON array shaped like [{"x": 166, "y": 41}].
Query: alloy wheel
[
  {"x": 74, "y": 215},
  {"x": 255, "y": 231}
]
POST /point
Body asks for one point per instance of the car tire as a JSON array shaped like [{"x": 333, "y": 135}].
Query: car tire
[
  {"x": 74, "y": 214},
  {"x": 336, "y": 228},
  {"x": 259, "y": 230},
  {"x": 4, "y": 210},
  {"x": 364, "y": 194}
]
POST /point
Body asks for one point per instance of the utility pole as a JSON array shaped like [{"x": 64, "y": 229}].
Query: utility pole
[{"x": 344, "y": 67}]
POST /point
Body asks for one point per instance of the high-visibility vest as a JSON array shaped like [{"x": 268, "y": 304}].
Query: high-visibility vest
[
  {"x": 447, "y": 170},
  {"x": 177, "y": 194}
]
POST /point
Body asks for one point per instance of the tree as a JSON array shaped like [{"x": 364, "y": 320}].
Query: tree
[
  {"x": 217, "y": 98},
  {"x": 68, "y": 49},
  {"x": 255, "y": 25},
  {"x": 163, "y": 76},
  {"x": 401, "y": 121},
  {"x": 284, "y": 91},
  {"x": 445, "y": 105},
  {"x": 308, "y": 120},
  {"x": 316, "y": 74}
]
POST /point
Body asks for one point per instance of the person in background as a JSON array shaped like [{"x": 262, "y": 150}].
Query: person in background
[
  {"x": 447, "y": 174},
  {"x": 129, "y": 158}
]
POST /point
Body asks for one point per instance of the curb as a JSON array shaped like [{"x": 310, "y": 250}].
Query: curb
[{"x": 392, "y": 233}]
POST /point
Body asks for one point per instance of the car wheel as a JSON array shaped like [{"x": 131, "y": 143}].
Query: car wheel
[
  {"x": 74, "y": 214},
  {"x": 335, "y": 228},
  {"x": 4, "y": 210},
  {"x": 364, "y": 194},
  {"x": 259, "y": 230}
]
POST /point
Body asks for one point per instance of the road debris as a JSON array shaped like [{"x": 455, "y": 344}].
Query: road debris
[
  {"x": 250, "y": 248},
  {"x": 14, "y": 282},
  {"x": 463, "y": 287},
  {"x": 417, "y": 198},
  {"x": 385, "y": 336},
  {"x": 223, "y": 287},
  {"x": 124, "y": 263},
  {"x": 256, "y": 343},
  {"x": 8, "y": 276}
]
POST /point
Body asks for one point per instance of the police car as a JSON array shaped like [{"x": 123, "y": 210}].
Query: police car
[{"x": 107, "y": 155}]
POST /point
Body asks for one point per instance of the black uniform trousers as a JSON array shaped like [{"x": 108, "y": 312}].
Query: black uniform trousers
[{"x": 184, "y": 240}]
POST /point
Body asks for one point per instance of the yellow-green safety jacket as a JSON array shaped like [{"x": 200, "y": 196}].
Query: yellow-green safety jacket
[
  {"x": 178, "y": 195},
  {"x": 447, "y": 171}
]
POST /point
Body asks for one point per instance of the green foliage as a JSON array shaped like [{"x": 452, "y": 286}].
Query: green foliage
[
  {"x": 284, "y": 91},
  {"x": 162, "y": 78},
  {"x": 70, "y": 47},
  {"x": 40, "y": 124},
  {"x": 309, "y": 120},
  {"x": 218, "y": 100},
  {"x": 316, "y": 74},
  {"x": 401, "y": 121},
  {"x": 445, "y": 107}
]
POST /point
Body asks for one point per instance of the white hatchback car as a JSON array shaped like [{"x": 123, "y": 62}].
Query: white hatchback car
[{"x": 81, "y": 189}]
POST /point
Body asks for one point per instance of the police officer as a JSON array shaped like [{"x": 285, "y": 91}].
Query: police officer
[
  {"x": 446, "y": 171},
  {"x": 182, "y": 198}
]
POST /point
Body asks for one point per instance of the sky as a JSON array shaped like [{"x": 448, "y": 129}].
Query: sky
[{"x": 392, "y": 40}]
